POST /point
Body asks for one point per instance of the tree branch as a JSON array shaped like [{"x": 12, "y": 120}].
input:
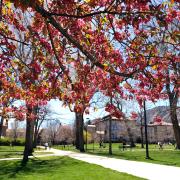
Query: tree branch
[
  {"x": 99, "y": 13},
  {"x": 64, "y": 32}
]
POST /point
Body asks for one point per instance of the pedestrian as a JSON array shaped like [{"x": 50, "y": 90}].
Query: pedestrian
[
  {"x": 11, "y": 145},
  {"x": 46, "y": 145},
  {"x": 124, "y": 144},
  {"x": 100, "y": 144},
  {"x": 160, "y": 145}
]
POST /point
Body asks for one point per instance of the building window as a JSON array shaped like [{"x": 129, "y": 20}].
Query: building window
[
  {"x": 114, "y": 137},
  {"x": 114, "y": 127}
]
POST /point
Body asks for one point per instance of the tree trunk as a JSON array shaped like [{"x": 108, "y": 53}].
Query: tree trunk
[
  {"x": 2, "y": 122},
  {"x": 1, "y": 125},
  {"x": 175, "y": 123},
  {"x": 173, "y": 100},
  {"x": 79, "y": 132},
  {"x": 110, "y": 136},
  {"x": 29, "y": 138}
]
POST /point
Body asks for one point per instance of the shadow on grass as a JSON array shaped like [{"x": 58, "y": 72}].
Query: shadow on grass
[
  {"x": 9, "y": 154},
  {"x": 11, "y": 169},
  {"x": 10, "y": 151},
  {"x": 12, "y": 155}
]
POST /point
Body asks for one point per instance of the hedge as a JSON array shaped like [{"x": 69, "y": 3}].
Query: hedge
[{"x": 8, "y": 141}]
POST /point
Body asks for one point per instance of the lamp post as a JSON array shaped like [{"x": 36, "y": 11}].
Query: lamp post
[{"x": 146, "y": 135}]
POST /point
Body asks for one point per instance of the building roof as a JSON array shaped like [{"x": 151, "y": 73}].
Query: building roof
[
  {"x": 106, "y": 118},
  {"x": 161, "y": 123}
]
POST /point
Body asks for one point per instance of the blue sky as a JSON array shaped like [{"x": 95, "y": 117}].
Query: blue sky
[
  {"x": 65, "y": 116},
  {"x": 68, "y": 117}
]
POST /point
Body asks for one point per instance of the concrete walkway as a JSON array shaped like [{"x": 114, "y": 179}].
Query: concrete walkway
[{"x": 141, "y": 169}]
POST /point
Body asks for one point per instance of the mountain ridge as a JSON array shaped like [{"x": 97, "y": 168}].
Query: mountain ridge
[{"x": 162, "y": 111}]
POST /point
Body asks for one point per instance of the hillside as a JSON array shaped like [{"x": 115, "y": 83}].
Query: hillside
[{"x": 162, "y": 111}]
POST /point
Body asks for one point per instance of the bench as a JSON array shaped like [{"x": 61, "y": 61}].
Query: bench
[{"x": 125, "y": 147}]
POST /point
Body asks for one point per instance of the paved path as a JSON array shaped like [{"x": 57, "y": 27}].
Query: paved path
[{"x": 141, "y": 169}]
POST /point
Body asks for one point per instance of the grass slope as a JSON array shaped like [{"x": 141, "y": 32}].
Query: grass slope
[{"x": 61, "y": 168}]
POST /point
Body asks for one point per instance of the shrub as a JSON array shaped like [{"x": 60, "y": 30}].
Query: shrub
[
  {"x": 8, "y": 141},
  {"x": 138, "y": 140},
  {"x": 18, "y": 142},
  {"x": 5, "y": 141}
]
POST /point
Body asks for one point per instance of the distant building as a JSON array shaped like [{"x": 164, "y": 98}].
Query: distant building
[
  {"x": 120, "y": 129},
  {"x": 160, "y": 131},
  {"x": 127, "y": 128}
]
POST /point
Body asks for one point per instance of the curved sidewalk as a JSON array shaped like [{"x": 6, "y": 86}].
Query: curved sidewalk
[{"x": 141, "y": 169}]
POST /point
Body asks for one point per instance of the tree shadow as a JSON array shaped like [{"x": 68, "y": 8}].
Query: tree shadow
[{"x": 11, "y": 169}]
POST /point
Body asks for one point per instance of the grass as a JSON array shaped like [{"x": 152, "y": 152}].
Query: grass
[
  {"x": 16, "y": 152},
  {"x": 167, "y": 156},
  {"x": 9, "y": 152},
  {"x": 61, "y": 168}
]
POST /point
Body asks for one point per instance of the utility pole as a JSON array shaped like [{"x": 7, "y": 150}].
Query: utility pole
[{"x": 146, "y": 135}]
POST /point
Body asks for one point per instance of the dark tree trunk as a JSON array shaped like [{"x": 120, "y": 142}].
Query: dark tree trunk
[
  {"x": 1, "y": 125},
  {"x": 175, "y": 123},
  {"x": 146, "y": 132},
  {"x": 79, "y": 132},
  {"x": 173, "y": 99},
  {"x": 28, "y": 150},
  {"x": 2, "y": 121},
  {"x": 110, "y": 136}
]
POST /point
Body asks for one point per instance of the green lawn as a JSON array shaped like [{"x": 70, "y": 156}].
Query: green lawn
[
  {"x": 167, "y": 156},
  {"x": 9, "y": 152},
  {"x": 16, "y": 151},
  {"x": 60, "y": 168}
]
